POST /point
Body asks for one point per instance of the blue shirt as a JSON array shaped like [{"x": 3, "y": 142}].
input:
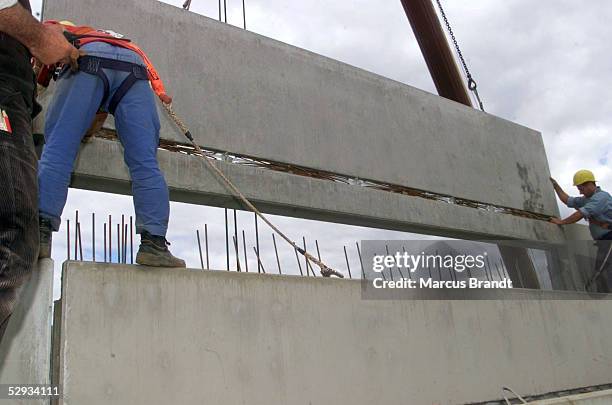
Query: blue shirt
[{"x": 598, "y": 207}]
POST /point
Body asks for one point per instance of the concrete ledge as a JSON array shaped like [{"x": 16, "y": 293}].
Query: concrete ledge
[
  {"x": 140, "y": 335},
  {"x": 100, "y": 167},
  {"x": 592, "y": 398},
  {"x": 25, "y": 354}
]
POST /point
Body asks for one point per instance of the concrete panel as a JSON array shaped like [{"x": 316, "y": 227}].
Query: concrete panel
[
  {"x": 25, "y": 352},
  {"x": 593, "y": 398},
  {"x": 248, "y": 94},
  {"x": 100, "y": 167},
  {"x": 158, "y": 336}
]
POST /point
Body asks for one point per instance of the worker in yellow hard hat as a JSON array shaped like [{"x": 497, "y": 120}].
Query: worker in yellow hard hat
[{"x": 595, "y": 206}]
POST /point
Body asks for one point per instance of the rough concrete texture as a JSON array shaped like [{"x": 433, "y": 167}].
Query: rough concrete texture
[
  {"x": 594, "y": 398},
  {"x": 134, "y": 335},
  {"x": 248, "y": 94},
  {"x": 26, "y": 347},
  {"x": 100, "y": 167}
]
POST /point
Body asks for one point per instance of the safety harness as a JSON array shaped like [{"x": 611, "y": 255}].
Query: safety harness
[{"x": 93, "y": 65}]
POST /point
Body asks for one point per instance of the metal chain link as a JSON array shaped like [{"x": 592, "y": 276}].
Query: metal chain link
[{"x": 471, "y": 82}]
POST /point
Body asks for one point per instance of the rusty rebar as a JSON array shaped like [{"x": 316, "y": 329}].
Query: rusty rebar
[{"x": 306, "y": 257}]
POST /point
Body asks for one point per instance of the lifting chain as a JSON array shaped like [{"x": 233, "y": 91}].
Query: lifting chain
[{"x": 471, "y": 82}]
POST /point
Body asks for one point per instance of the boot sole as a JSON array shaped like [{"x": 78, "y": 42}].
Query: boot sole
[{"x": 148, "y": 259}]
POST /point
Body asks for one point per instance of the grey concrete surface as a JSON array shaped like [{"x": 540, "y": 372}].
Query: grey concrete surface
[
  {"x": 100, "y": 167},
  {"x": 26, "y": 347},
  {"x": 135, "y": 335},
  {"x": 248, "y": 94},
  {"x": 594, "y": 398}
]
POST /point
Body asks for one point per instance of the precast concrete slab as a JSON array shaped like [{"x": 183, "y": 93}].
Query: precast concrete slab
[
  {"x": 592, "y": 398},
  {"x": 100, "y": 167},
  {"x": 136, "y": 335},
  {"x": 25, "y": 352},
  {"x": 248, "y": 94}
]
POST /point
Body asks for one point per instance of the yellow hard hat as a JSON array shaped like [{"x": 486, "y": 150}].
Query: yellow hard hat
[
  {"x": 69, "y": 23},
  {"x": 583, "y": 176}
]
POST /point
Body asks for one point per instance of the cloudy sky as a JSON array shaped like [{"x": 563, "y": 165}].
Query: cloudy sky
[{"x": 542, "y": 64}]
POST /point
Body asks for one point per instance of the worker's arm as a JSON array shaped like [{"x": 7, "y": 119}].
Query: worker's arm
[
  {"x": 560, "y": 193},
  {"x": 46, "y": 43},
  {"x": 572, "y": 219}
]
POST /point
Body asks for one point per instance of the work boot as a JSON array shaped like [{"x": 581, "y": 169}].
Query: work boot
[
  {"x": 46, "y": 232},
  {"x": 154, "y": 251}
]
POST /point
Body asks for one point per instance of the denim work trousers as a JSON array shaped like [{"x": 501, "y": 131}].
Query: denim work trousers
[
  {"x": 18, "y": 200},
  {"x": 76, "y": 100}
]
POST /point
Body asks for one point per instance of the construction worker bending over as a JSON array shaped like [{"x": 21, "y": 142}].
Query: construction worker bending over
[
  {"x": 596, "y": 207},
  {"x": 21, "y": 36},
  {"x": 113, "y": 77}
]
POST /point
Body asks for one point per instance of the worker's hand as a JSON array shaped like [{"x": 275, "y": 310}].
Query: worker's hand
[
  {"x": 166, "y": 99},
  {"x": 52, "y": 47},
  {"x": 556, "y": 221},
  {"x": 554, "y": 182}
]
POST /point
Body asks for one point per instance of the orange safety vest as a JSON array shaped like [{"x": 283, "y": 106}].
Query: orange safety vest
[{"x": 87, "y": 34}]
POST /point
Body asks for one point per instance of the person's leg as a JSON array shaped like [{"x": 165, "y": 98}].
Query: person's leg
[
  {"x": 75, "y": 102},
  {"x": 137, "y": 126},
  {"x": 18, "y": 202}
]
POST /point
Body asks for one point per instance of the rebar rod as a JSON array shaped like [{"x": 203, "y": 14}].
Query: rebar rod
[
  {"x": 277, "y": 258},
  {"x": 226, "y": 242},
  {"x": 263, "y": 270},
  {"x": 68, "y": 240},
  {"x": 298, "y": 261},
  {"x": 237, "y": 254},
  {"x": 257, "y": 240},
  {"x": 246, "y": 260},
  {"x": 80, "y": 241},
  {"x": 236, "y": 238},
  {"x": 206, "y": 245},
  {"x": 125, "y": 236},
  {"x": 104, "y": 229},
  {"x": 360, "y": 261},
  {"x": 131, "y": 241},
  {"x": 110, "y": 240},
  {"x": 306, "y": 257},
  {"x": 118, "y": 244},
  {"x": 93, "y": 236},
  {"x": 76, "y": 235},
  {"x": 200, "y": 249},
  {"x": 348, "y": 266}
]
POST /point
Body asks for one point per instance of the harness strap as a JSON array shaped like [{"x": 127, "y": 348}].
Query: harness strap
[{"x": 93, "y": 65}]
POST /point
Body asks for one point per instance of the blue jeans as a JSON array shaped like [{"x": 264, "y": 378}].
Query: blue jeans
[{"x": 75, "y": 102}]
